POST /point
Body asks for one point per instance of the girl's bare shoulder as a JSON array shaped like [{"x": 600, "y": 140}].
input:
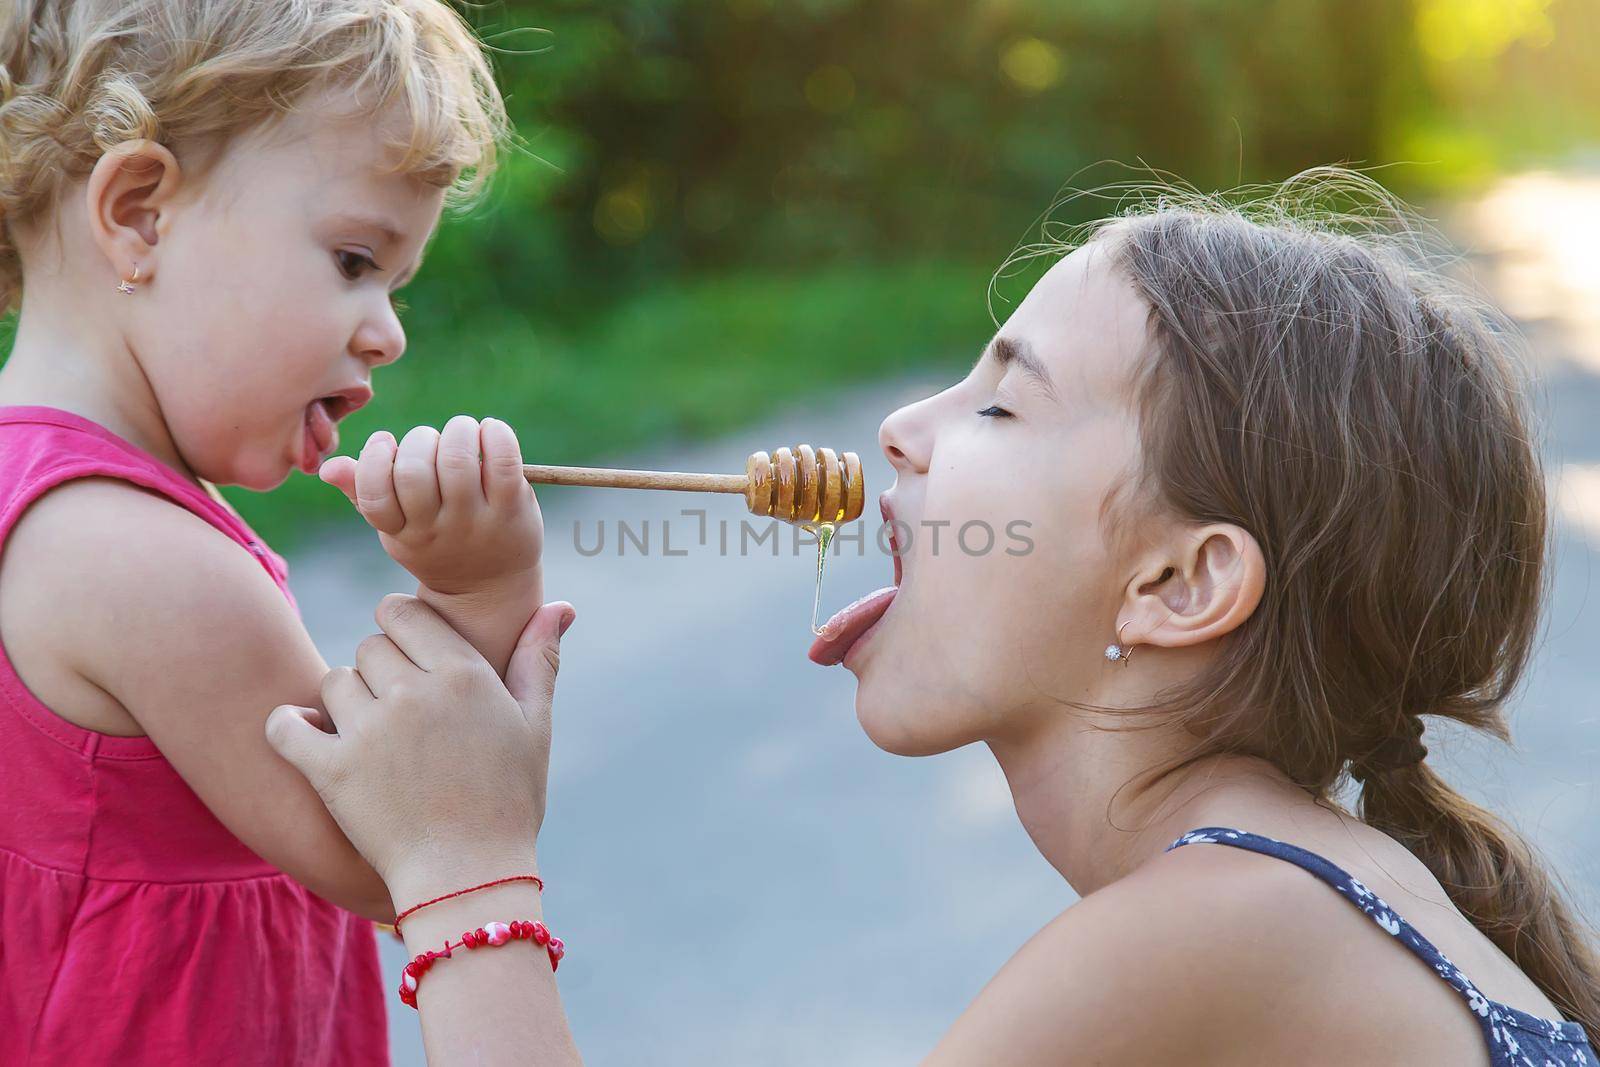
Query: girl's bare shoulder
[{"x": 1201, "y": 955}]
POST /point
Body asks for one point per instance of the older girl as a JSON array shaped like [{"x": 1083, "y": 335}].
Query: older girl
[{"x": 1285, "y": 510}]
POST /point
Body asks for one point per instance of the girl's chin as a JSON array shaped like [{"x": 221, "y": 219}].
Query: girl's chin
[
  {"x": 262, "y": 476},
  {"x": 897, "y": 725},
  {"x": 258, "y": 477}
]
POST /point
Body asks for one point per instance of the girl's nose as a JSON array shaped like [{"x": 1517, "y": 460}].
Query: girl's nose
[
  {"x": 906, "y": 436},
  {"x": 381, "y": 339}
]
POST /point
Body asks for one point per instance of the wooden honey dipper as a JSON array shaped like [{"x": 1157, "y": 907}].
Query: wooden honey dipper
[{"x": 802, "y": 484}]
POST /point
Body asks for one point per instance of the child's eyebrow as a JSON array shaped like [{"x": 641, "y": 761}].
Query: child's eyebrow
[
  {"x": 1007, "y": 351},
  {"x": 391, "y": 233}
]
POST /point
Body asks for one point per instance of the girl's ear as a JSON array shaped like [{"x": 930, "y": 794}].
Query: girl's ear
[
  {"x": 1199, "y": 590},
  {"x": 127, "y": 190}
]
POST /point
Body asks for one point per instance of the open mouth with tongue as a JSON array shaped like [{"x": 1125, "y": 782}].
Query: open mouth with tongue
[
  {"x": 850, "y": 626},
  {"x": 319, "y": 434}
]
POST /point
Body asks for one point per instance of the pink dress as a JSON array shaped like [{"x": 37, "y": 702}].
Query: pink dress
[{"x": 134, "y": 928}]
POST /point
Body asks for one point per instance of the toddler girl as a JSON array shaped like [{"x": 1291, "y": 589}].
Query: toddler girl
[{"x": 207, "y": 207}]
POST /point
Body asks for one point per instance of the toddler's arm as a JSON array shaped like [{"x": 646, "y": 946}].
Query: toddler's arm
[
  {"x": 467, "y": 528},
  {"x": 132, "y": 599}
]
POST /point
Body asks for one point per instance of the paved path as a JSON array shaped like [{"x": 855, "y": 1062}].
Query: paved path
[{"x": 742, "y": 876}]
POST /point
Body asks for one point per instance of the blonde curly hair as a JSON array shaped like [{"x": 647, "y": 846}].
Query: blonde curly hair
[{"x": 78, "y": 77}]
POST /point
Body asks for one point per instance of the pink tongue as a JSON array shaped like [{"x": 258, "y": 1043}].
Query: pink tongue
[
  {"x": 321, "y": 427},
  {"x": 847, "y": 626}
]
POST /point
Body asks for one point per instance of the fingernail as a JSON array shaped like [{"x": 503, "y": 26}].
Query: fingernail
[{"x": 566, "y": 621}]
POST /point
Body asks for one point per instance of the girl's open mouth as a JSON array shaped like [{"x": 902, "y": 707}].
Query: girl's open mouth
[
  {"x": 850, "y": 626},
  {"x": 320, "y": 424}
]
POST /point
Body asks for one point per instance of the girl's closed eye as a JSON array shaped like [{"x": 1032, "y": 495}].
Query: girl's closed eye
[
  {"x": 350, "y": 263},
  {"x": 994, "y": 411}
]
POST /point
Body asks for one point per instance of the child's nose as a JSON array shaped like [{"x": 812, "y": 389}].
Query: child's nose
[
  {"x": 379, "y": 343},
  {"x": 906, "y": 436}
]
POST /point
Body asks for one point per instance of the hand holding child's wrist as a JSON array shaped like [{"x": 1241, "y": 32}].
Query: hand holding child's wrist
[
  {"x": 440, "y": 780},
  {"x": 521, "y": 588}
]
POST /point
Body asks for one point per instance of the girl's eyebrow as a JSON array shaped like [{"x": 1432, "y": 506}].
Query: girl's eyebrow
[
  {"x": 390, "y": 232},
  {"x": 362, "y": 219},
  {"x": 1007, "y": 352}
]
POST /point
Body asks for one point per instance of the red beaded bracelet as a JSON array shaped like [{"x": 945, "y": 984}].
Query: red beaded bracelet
[
  {"x": 492, "y": 934},
  {"x": 534, "y": 878}
]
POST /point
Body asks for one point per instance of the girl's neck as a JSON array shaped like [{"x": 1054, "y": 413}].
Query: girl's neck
[
  {"x": 1083, "y": 794},
  {"x": 67, "y": 365}
]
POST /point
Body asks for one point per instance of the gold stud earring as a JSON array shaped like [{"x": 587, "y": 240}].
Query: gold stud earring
[{"x": 126, "y": 285}]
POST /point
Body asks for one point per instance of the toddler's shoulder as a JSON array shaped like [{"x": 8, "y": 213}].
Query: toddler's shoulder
[
  {"x": 121, "y": 533},
  {"x": 104, "y": 569},
  {"x": 100, "y": 508}
]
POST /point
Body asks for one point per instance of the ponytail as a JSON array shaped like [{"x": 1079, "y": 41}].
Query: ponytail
[{"x": 1496, "y": 881}]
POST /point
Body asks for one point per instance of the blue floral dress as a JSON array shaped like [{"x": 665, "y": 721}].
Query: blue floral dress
[{"x": 1515, "y": 1038}]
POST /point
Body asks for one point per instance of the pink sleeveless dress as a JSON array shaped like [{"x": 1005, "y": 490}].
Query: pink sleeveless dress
[{"x": 134, "y": 928}]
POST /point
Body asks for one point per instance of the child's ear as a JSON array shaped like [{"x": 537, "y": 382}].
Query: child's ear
[
  {"x": 1198, "y": 589},
  {"x": 127, "y": 191}
]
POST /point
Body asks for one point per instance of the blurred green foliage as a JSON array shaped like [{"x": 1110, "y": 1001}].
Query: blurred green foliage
[
  {"x": 711, "y": 195},
  {"x": 708, "y": 134}
]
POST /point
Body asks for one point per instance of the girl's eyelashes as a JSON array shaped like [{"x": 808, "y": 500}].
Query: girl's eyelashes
[
  {"x": 345, "y": 257},
  {"x": 994, "y": 411},
  {"x": 353, "y": 272}
]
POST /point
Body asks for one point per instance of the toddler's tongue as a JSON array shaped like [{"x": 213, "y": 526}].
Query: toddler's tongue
[
  {"x": 847, "y": 626},
  {"x": 320, "y": 436}
]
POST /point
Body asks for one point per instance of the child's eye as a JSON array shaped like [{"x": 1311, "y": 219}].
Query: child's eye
[
  {"x": 399, "y": 305},
  {"x": 994, "y": 411},
  {"x": 345, "y": 259}
]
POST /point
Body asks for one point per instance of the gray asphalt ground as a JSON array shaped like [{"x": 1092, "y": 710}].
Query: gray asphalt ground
[{"x": 742, "y": 878}]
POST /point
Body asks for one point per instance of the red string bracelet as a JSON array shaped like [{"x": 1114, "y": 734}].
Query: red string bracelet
[
  {"x": 534, "y": 878},
  {"x": 492, "y": 934}
]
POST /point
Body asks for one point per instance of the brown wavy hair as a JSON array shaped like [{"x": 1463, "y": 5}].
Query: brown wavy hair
[{"x": 1317, "y": 380}]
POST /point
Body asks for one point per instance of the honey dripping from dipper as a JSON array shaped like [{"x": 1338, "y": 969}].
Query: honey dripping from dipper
[
  {"x": 816, "y": 489},
  {"x": 824, "y": 535}
]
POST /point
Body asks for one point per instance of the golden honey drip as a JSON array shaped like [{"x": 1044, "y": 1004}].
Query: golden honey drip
[
  {"x": 824, "y": 532},
  {"x": 817, "y": 489}
]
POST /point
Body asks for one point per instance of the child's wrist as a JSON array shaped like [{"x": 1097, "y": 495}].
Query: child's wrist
[
  {"x": 492, "y": 615},
  {"x": 523, "y": 589}
]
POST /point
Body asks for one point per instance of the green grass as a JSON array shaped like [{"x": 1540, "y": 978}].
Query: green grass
[{"x": 683, "y": 362}]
